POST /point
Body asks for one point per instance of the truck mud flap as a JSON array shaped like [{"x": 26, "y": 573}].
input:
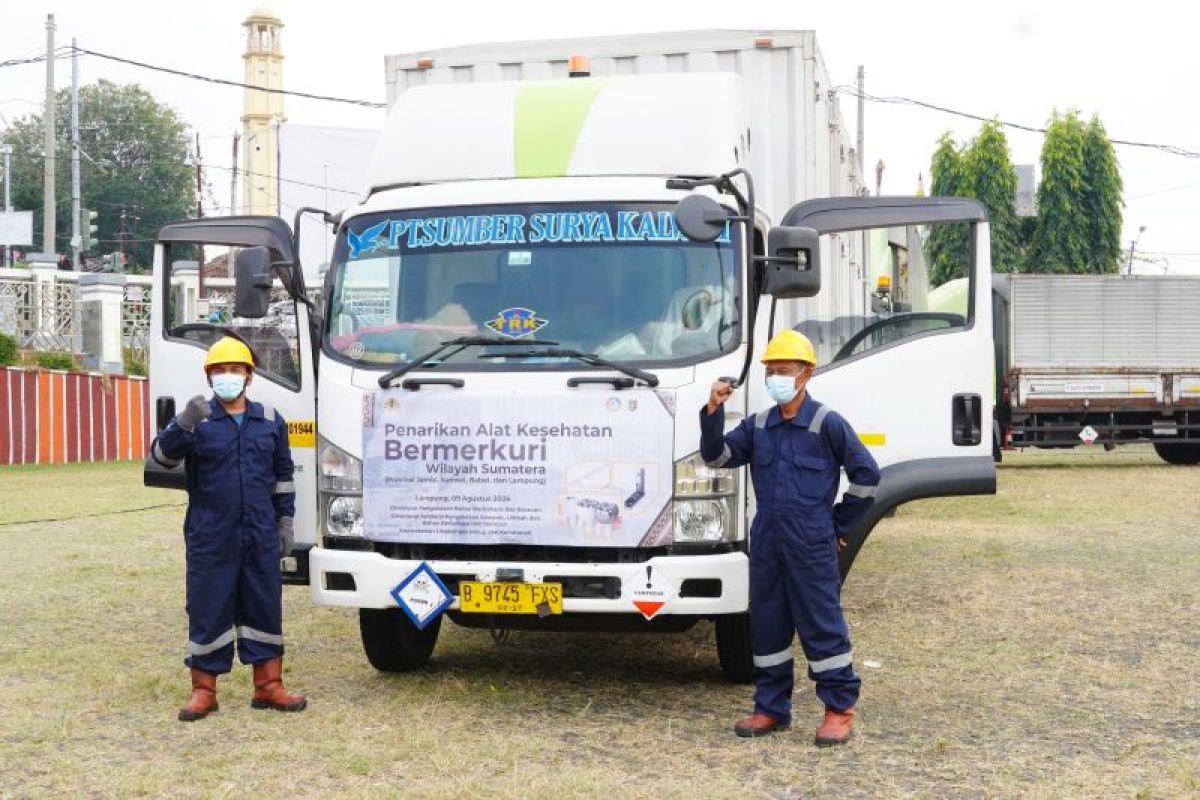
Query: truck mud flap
[{"x": 916, "y": 480}]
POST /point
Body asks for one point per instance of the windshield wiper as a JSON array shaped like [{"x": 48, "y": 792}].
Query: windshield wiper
[
  {"x": 459, "y": 344},
  {"x": 648, "y": 378}
]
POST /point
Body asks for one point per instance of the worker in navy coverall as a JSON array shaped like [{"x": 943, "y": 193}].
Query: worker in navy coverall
[
  {"x": 796, "y": 451},
  {"x": 241, "y": 501}
]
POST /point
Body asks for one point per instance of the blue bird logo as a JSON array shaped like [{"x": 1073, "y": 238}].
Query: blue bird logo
[{"x": 368, "y": 241}]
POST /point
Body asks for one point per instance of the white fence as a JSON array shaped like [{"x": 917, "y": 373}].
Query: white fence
[
  {"x": 57, "y": 311},
  {"x": 41, "y": 309}
]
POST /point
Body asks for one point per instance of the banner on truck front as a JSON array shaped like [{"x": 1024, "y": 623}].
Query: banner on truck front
[{"x": 575, "y": 467}]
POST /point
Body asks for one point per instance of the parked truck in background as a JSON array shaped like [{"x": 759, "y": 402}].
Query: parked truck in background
[
  {"x": 1094, "y": 360},
  {"x": 552, "y": 260},
  {"x": 1105, "y": 359}
]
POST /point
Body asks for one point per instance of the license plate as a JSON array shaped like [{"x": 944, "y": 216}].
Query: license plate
[{"x": 477, "y": 597}]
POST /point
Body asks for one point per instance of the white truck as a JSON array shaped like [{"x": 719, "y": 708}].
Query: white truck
[{"x": 551, "y": 262}]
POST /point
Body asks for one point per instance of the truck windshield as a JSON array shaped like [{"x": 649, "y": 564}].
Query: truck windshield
[{"x": 614, "y": 279}]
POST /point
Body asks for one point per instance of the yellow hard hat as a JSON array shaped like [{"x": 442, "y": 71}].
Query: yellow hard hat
[
  {"x": 790, "y": 345},
  {"x": 229, "y": 351}
]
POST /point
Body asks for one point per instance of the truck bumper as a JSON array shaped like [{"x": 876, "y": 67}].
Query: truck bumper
[{"x": 374, "y": 577}]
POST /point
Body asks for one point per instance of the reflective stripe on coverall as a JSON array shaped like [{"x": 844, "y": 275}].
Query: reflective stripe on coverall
[
  {"x": 240, "y": 483},
  {"x": 795, "y": 584}
]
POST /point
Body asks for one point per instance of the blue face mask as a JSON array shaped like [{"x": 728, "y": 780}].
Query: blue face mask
[
  {"x": 228, "y": 386},
  {"x": 782, "y": 388}
]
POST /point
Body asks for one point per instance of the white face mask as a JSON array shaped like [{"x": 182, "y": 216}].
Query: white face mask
[
  {"x": 228, "y": 386},
  {"x": 782, "y": 388}
]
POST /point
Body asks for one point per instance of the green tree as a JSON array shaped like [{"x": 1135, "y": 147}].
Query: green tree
[
  {"x": 1101, "y": 198},
  {"x": 991, "y": 179},
  {"x": 143, "y": 147},
  {"x": 1062, "y": 236},
  {"x": 947, "y": 246}
]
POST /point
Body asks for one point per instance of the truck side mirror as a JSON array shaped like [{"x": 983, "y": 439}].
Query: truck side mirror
[
  {"x": 700, "y": 218},
  {"x": 252, "y": 294},
  {"x": 792, "y": 267}
]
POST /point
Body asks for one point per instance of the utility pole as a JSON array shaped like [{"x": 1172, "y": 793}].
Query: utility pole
[
  {"x": 237, "y": 140},
  {"x": 121, "y": 238},
  {"x": 49, "y": 202},
  {"x": 76, "y": 209},
  {"x": 6, "y": 151},
  {"x": 862, "y": 106},
  {"x": 199, "y": 180},
  {"x": 278, "y": 184},
  {"x": 1132, "y": 246},
  {"x": 199, "y": 214}
]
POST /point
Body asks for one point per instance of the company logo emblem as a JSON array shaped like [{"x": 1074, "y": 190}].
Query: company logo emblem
[
  {"x": 366, "y": 242},
  {"x": 513, "y": 323}
]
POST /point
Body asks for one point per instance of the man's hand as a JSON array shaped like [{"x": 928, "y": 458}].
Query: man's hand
[
  {"x": 196, "y": 409},
  {"x": 720, "y": 392},
  {"x": 287, "y": 536}
]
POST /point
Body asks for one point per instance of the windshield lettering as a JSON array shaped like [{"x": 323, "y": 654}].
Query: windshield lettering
[
  {"x": 614, "y": 280},
  {"x": 559, "y": 227}
]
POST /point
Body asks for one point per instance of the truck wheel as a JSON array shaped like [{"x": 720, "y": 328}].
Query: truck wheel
[
  {"x": 733, "y": 647},
  {"x": 392, "y": 643},
  {"x": 1178, "y": 453}
]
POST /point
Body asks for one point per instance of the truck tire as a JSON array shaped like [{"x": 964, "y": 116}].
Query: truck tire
[
  {"x": 392, "y": 643},
  {"x": 1178, "y": 452},
  {"x": 733, "y": 647}
]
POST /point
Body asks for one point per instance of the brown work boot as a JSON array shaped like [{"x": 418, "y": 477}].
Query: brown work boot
[
  {"x": 269, "y": 691},
  {"x": 204, "y": 697},
  {"x": 835, "y": 728},
  {"x": 758, "y": 725}
]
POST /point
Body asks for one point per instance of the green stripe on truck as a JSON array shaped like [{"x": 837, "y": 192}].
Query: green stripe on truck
[{"x": 549, "y": 117}]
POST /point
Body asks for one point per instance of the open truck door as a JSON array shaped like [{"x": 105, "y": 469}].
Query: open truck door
[
  {"x": 237, "y": 276},
  {"x": 916, "y": 384}
]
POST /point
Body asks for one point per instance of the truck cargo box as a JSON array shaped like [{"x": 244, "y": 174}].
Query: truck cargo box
[
  {"x": 1112, "y": 359},
  {"x": 1102, "y": 323}
]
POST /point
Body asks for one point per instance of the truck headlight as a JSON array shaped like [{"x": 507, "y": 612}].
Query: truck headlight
[
  {"x": 340, "y": 485},
  {"x": 344, "y": 516},
  {"x": 702, "y": 521},
  {"x": 705, "y": 500}
]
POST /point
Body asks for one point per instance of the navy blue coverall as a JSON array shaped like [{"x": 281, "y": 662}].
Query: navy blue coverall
[
  {"x": 240, "y": 484},
  {"x": 794, "y": 580}
]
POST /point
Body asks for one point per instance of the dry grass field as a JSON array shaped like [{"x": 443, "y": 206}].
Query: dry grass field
[{"x": 1042, "y": 643}]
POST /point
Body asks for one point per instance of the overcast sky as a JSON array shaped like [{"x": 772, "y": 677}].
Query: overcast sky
[{"x": 1134, "y": 64}]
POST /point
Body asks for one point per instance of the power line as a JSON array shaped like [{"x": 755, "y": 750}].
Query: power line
[
  {"x": 1170, "y": 253},
  {"x": 15, "y": 62},
  {"x": 59, "y": 54},
  {"x": 292, "y": 181},
  {"x": 851, "y": 91},
  {"x": 158, "y": 162},
  {"x": 1163, "y": 191},
  {"x": 224, "y": 82}
]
